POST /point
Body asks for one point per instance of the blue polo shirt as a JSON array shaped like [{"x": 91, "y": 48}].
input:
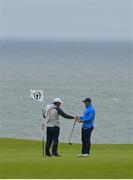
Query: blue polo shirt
[{"x": 88, "y": 117}]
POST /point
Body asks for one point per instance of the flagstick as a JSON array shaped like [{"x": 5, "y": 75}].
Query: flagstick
[
  {"x": 43, "y": 139},
  {"x": 42, "y": 134},
  {"x": 37, "y": 95}
]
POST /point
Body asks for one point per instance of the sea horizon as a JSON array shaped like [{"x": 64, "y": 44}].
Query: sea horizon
[{"x": 72, "y": 70}]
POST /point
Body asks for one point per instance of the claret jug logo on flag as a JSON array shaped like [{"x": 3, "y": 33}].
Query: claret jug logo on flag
[{"x": 36, "y": 95}]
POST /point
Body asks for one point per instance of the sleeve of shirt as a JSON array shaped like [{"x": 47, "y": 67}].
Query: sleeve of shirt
[
  {"x": 81, "y": 117},
  {"x": 61, "y": 112}
]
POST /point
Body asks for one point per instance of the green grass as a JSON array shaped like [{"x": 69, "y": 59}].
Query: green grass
[{"x": 20, "y": 159}]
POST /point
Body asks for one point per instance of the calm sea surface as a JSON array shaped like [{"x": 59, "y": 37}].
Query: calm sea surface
[{"x": 71, "y": 71}]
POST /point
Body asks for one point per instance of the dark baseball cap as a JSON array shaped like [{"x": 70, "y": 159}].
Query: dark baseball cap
[{"x": 87, "y": 100}]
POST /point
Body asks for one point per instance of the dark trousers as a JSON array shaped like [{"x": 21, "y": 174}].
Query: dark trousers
[
  {"x": 52, "y": 139},
  {"x": 86, "y": 140}
]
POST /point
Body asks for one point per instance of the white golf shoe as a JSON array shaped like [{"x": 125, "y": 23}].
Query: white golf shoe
[{"x": 83, "y": 155}]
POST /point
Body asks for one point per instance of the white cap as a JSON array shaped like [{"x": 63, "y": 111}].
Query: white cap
[{"x": 58, "y": 100}]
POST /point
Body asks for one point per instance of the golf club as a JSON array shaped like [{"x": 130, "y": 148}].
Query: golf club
[{"x": 72, "y": 133}]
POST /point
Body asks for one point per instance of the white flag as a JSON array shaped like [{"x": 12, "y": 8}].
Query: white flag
[{"x": 36, "y": 95}]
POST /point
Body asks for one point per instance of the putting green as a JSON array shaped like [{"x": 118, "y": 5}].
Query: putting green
[{"x": 23, "y": 159}]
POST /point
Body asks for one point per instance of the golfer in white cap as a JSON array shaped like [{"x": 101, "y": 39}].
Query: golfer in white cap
[{"x": 51, "y": 114}]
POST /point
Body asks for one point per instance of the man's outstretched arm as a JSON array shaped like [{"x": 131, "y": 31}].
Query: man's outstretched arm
[{"x": 63, "y": 114}]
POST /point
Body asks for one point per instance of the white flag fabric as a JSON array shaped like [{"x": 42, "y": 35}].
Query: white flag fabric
[{"x": 36, "y": 95}]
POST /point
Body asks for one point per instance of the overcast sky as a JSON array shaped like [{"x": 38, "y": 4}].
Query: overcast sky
[{"x": 67, "y": 19}]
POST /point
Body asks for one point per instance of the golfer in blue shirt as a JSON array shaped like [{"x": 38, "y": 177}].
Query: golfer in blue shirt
[{"x": 87, "y": 126}]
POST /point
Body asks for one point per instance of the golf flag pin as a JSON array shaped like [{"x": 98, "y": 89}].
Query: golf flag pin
[{"x": 36, "y": 95}]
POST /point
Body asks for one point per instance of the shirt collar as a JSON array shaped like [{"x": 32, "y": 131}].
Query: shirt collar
[{"x": 89, "y": 106}]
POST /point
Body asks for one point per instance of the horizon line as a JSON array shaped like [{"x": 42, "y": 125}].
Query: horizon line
[{"x": 66, "y": 40}]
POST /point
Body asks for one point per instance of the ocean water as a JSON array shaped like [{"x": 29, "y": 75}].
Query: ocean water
[{"x": 71, "y": 71}]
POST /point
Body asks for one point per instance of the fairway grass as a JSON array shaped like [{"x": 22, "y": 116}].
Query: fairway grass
[{"x": 20, "y": 159}]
